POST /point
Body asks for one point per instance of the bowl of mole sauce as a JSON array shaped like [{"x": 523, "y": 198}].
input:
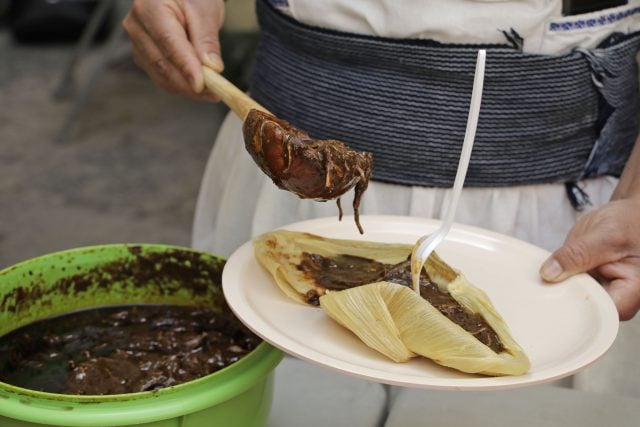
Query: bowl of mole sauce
[{"x": 120, "y": 335}]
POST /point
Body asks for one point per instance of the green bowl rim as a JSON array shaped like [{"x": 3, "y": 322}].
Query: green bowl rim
[{"x": 107, "y": 246}]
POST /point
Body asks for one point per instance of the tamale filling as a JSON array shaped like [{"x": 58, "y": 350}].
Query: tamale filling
[{"x": 348, "y": 271}]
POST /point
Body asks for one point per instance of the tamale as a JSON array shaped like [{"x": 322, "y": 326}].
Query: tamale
[{"x": 459, "y": 328}]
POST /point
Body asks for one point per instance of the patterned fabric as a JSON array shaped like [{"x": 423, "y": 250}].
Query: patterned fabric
[
  {"x": 605, "y": 18},
  {"x": 407, "y": 102}
]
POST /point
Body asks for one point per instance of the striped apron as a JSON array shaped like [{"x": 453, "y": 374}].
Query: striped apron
[{"x": 544, "y": 118}]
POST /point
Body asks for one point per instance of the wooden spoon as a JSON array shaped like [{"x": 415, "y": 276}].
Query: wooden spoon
[
  {"x": 312, "y": 169},
  {"x": 238, "y": 101}
]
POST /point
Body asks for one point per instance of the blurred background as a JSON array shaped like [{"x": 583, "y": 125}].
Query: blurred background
[{"x": 91, "y": 151}]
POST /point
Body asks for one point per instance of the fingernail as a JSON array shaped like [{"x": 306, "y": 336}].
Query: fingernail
[
  {"x": 551, "y": 269},
  {"x": 213, "y": 60}
]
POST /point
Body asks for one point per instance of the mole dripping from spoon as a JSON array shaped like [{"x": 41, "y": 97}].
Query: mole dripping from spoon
[{"x": 312, "y": 169}]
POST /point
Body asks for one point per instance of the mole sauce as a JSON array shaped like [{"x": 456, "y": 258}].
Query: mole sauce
[
  {"x": 310, "y": 168},
  {"x": 347, "y": 271},
  {"x": 124, "y": 349}
]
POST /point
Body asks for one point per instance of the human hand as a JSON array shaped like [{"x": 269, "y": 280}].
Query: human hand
[
  {"x": 606, "y": 244},
  {"x": 173, "y": 38}
]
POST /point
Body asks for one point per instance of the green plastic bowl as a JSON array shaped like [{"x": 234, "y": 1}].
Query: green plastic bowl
[{"x": 238, "y": 395}]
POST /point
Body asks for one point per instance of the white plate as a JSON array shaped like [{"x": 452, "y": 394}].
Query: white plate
[{"x": 562, "y": 328}]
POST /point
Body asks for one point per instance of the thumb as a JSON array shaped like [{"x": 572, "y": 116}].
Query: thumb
[
  {"x": 577, "y": 255},
  {"x": 204, "y": 19}
]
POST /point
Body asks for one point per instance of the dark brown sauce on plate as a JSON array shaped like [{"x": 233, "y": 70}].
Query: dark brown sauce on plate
[{"x": 347, "y": 271}]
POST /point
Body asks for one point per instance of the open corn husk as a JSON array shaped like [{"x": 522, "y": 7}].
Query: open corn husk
[
  {"x": 391, "y": 318},
  {"x": 280, "y": 252}
]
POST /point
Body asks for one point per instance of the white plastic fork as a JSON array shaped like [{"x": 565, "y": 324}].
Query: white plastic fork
[{"x": 426, "y": 244}]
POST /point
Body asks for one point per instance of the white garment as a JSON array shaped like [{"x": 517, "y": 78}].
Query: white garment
[
  {"x": 237, "y": 201},
  {"x": 539, "y": 22}
]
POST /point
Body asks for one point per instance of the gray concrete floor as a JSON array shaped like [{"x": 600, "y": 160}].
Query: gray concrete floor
[{"x": 129, "y": 170}]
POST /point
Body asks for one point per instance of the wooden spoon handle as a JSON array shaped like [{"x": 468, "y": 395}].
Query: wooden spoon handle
[{"x": 238, "y": 101}]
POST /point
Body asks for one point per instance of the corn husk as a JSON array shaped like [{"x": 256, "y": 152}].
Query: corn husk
[
  {"x": 280, "y": 252},
  {"x": 391, "y": 318}
]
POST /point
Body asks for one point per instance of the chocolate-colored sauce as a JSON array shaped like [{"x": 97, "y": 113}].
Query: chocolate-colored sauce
[
  {"x": 125, "y": 349},
  {"x": 342, "y": 271},
  {"x": 346, "y": 271},
  {"x": 310, "y": 168}
]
